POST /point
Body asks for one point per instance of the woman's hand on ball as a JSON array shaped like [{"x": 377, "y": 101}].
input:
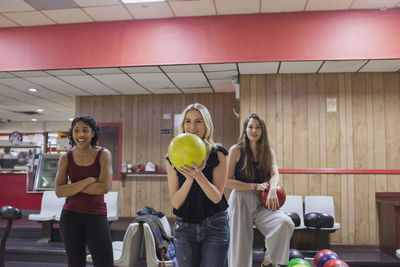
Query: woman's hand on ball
[
  {"x": 192, "y": 173},
  {"x": 272, "y": 199},
  {"x": 262, "y": 187}
]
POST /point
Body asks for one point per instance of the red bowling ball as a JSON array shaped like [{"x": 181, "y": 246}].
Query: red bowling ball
[
  {"x": 322, "y": 253},
  {"x": 336, "y": 263},
  {"x": 280, "y": 193}
]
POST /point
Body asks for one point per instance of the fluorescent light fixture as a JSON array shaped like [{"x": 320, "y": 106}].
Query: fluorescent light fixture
[
  {"x": 34, "y": 90},
  {"x": 140, "y": 1},
  {"x": 34, "y": 119},
  {"x": 39, "y": 110}
]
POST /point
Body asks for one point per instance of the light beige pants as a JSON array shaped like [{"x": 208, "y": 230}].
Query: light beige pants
[{"x": 245, "y": 210}]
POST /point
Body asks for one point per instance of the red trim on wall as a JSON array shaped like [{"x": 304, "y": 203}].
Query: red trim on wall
[
  {"x": 323, "y": 35},
  {"x": 341, "y": 171}
]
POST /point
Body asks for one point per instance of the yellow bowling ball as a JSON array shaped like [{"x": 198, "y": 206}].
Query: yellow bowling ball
[{"x": 186, "y": 148}]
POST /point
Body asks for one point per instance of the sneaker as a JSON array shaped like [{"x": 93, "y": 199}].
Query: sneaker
[{"x": 269, "y": 265}]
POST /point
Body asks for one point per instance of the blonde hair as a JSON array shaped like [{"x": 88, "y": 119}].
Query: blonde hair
[{"x": 208, "y": 136}]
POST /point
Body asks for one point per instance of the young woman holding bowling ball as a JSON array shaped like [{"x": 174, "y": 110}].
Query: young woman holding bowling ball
[
  {"x": 197, "y": 197},
  {"x": 252, "y": 168}
]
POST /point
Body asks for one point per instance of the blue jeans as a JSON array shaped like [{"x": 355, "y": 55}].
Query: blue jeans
[{"x": 203, "y": 244}]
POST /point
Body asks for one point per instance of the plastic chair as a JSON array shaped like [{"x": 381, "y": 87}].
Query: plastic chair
[
  {"x": 50, "y": 211},
  {"x": 398, "y": 253},
  {"x": 111, "y": 199},
  {"x": 322, "y": 206},
  {"x": 127, "y": 252},
  {"x": 294, "y": 204},
  {"x": 151, "y": 255}
]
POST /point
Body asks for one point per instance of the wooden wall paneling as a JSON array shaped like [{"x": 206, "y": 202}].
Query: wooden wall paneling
[
  {"x": 322, "y": 132},
  {"x": 333, "y": 146},
  {"x": 260, "y": 96},
  {"x": 279, "y": 122},
  {"x": 392, "y": 101},
  {"x": 343, "y": 160},
  {"x": 98, "y": 108},
  {"x": 300, "y": 131},
  {"x": 314, "y": 180},
  {"x": 360, "y": 157},
  {"x": 133, "y": 134},
  {"x": 349, "y": 159},
  {"x": 244, "y": 98},
  {"x": 141, "y": 149},
  {"x": 268, "y": 105},
  {"x": 218, "y": 118},
  {"x": 125, "y": 195},
  {"x": 372, "y": 219},
  {"x": 379, "y": 130},
  {"x": 287, "y": 99},
  {"x": 167, "y": 107},
  {"x": 157, "y": 116},
  {"x": 92, "y": 106},
  {"x": 84, "y": 107},
  {"x": 77, "y": 105},
  {"x": 108, "y": 109},
  {"x": 149, "y": 199},
  {"x": 229, "y": 133},
  {"x": 253, "y": 94}
]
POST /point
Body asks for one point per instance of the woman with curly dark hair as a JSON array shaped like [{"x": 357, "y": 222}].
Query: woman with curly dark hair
[{"x": 84, "y": 217}]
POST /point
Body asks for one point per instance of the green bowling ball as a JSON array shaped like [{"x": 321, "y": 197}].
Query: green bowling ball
[{"x": 297, "y": 262}]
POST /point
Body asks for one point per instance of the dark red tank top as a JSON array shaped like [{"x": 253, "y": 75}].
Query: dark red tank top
[{"x": 81, "y": 202}]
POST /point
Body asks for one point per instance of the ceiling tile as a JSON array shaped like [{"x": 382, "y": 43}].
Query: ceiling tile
[
  {"x": 24, "y": 74},
  {"x": 50, "y": 5},
  {"x": 89, "y": 84},
  {"x": 197, "y": 90},
  {"x": 103, "y": 71},
  {"x": 223, "y": 86},
  {"x": 29, "y": 18},
  {"x": 237, "y": 6},
  {"x": 14, "y": 6},
  {"x": 86, "y": 3},
  {"x": 382, "y": 66},
  {"x": 328, "y": 5},
  {"x": 106, "y": 13},
  {"x": 374, "y": 4},
  {"x": 300, "y": 66},
  {"x": 258, "y": 67},
  {"x": 166, "y": 91},
  {"x": 219, "y": 66},
  {"x": 150, "y": 10},
  {"x": 181, "y": 68},
  {"x": 214, "y": 75},
  {"x": 189, "y": 79},
  {"x": 150, "y": 69},
  {"x": 5, "y": 22},
  {"x": 282, "y": 5},
  {"x": 342, "y": 66},
  {"x": 153, "y": 80},
  {"x": 65, "y": 72},
  {"x": 57, "y": 85},
  {"x": 193, "y": 8},
  {"x": 122, "y": 83},
  {"x": 73, "y": 15},
  {"x": 6, "y": 75}
]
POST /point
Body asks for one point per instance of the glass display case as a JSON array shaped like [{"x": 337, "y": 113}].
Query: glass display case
[
  {"x": 46, "y": 172},
  {"x": 18, "y": 157}
]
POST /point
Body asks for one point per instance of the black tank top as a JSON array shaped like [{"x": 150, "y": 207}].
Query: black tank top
[
  {"x": 239, "y": 174},
  {"x": 197, "y": 205}
]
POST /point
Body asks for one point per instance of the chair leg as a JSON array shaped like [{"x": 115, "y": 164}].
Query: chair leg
[{"x": 47, "y": 230}]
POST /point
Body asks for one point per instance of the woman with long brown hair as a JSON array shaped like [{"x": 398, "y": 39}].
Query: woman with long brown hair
[{"x": 252, "y": 168}]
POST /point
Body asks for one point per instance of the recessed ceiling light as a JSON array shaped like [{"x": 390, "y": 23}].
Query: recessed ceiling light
[
  {"x": 39, "y": 110},
  {"x": 34, "y": 119},
  {"x": 140, "y": 1},
  {"x": 34, "y": 90}
]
